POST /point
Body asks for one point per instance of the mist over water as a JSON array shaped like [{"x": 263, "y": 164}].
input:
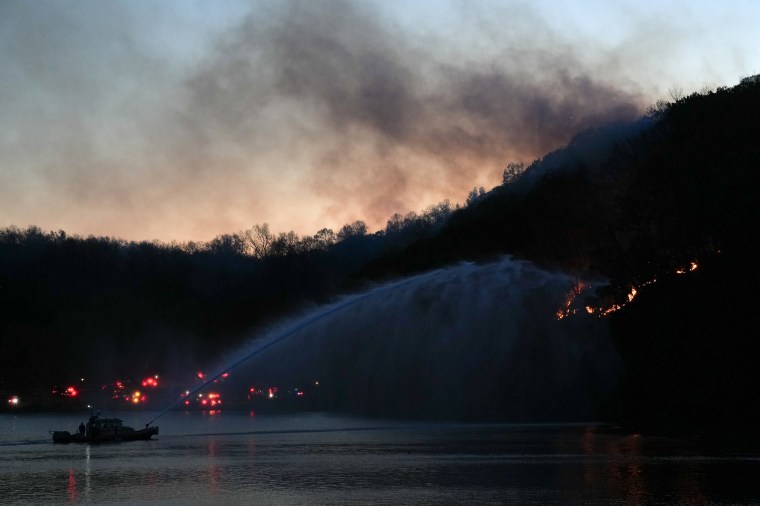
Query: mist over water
[{"x": 466, "y": 342}]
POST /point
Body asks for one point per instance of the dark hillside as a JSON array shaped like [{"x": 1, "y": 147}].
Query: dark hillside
[
  {"x": 684, "y": 190},
  {"x": 691, "y": 352}
]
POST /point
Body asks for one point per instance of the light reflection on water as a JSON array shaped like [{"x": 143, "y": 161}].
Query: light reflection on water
[{"x": 233, "y": 458}]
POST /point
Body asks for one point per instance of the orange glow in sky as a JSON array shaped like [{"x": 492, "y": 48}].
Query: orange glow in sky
[{"x": 206, "y": 118}]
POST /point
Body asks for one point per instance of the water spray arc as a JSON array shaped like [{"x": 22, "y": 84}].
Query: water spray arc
[
  {"x": 294, "y": 329},
  {"x": 475, "y": 341}
]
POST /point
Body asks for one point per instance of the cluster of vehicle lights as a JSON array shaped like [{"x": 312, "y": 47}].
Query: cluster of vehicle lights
[
  {"x": 578, "y": 288},
  {"x": 150, "y": 382},
  {"x": 66, "y": 392},
  {"x": 202, "y": 376},
  {"x": 212, "y": 399},
  {"x": 14, "y": 401},
  {"x": 269, "y": 393},
  {"x": 209, "y": 400},
  {"x": 121, "y": 392},
  {"x": 118, "y": 390},
  {"x": 272, "y": 392}
]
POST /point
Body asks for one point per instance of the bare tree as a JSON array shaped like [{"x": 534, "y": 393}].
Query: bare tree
[
  {"x": 259, "y": 240},
  {"x": 675, "y": 92}
]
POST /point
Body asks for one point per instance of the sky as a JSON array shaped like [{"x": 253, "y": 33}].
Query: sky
[{"x": 180, "y": 120}]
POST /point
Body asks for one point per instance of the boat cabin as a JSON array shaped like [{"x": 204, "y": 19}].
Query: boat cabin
[{"x": 103, "y": 428}]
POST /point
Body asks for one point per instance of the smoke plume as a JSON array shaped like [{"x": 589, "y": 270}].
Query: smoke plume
[
  {"x": 381, "y": 114},
  {"x": 301, "y": 114}
]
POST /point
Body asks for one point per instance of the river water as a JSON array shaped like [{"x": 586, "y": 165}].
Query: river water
[{"x": 239, "y": 458}]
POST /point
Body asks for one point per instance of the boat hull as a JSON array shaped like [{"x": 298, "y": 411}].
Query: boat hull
[{"x": 124, "y": 434}]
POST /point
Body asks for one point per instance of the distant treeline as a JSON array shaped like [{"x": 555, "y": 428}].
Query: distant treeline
[
  {"x": 104, "y": 307},
  {"x": 625, "y": 202}
]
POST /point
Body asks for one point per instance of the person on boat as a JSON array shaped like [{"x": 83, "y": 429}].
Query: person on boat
[{"x": 81, "y": 428}]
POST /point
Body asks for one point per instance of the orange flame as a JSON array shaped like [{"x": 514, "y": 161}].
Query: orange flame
[{"x": 567, "y": 309}]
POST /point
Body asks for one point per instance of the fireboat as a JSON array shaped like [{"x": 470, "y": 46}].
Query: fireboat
[{"x": 100, "y": 430}]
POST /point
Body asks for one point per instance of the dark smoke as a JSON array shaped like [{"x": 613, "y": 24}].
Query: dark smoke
[
  {"x": 120, "y": 121},
  {"x": 386, "y": 115}
]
